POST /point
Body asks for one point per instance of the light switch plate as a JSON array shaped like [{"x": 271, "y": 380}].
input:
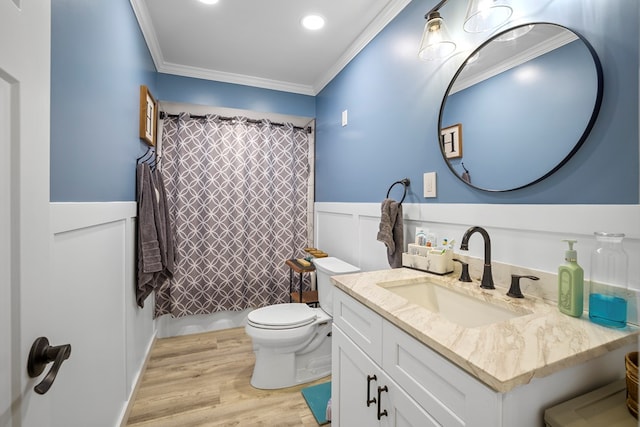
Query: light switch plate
[
  {"x": 345, "y": 118},
  {"x": 429, "y": 184}
]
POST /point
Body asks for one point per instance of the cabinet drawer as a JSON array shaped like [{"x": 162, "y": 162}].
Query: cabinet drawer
[
  {"x": 450, "y": 395},
  {"x": 359, "y": 323}
]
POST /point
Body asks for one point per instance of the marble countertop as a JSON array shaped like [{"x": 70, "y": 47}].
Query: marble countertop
[{"x": 502, "y": 355}]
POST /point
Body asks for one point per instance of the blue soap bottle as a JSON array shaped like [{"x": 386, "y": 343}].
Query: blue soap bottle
[{"x": 571, "y": 284}]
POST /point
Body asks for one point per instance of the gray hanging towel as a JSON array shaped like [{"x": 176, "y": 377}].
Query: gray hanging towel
[
  {"x": 391, "y": 231},
  {"x": 163, "y": 226},
  {"x": 148, "y": 247}
]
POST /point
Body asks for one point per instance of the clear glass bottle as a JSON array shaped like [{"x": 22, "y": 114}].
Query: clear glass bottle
[{"x": 608, "y": 287}]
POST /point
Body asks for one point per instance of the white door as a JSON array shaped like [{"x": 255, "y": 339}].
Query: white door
[{"x": 25, "y": 28}]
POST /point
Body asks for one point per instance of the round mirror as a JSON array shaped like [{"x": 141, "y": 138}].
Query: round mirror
[{"x": 520, "y": 106}]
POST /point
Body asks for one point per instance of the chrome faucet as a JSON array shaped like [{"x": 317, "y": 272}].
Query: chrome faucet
[{"x": 487, "y": 276}]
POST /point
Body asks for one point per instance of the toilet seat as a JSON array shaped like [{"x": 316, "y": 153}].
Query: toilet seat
[{"x": 282, "y": 316}]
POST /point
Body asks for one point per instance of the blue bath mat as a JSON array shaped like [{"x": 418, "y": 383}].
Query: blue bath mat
[{"x": 317, "y": 397}]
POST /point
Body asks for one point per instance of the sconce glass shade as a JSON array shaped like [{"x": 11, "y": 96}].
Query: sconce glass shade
[
  {"x": 485, "y": 15},
  {"x": 436, "y": 42}
]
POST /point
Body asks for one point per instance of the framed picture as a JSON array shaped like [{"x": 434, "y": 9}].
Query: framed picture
[
  {"x": 148, "y": 116},
  {"x": 451, "y": 140}
]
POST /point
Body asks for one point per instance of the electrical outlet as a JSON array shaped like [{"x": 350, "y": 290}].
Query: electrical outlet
[{"x": 429, "y": 184}]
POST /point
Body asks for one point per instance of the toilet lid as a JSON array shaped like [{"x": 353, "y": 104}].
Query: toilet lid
[
  {"x": 282, "y": 316},
  {"x": 334, "y": 266}
]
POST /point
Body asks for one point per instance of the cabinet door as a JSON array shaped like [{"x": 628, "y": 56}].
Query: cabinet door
[
  {"x": 363, "y": 395},
  {"x": 450, "y": 395},
  {"x": 402, "y": 410},
  {"x": 352, "y": 383}
]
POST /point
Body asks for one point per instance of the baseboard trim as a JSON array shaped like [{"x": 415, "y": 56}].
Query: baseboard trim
[{"x": 137, "y": 382}]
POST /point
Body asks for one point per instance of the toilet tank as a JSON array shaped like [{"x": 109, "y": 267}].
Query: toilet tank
[{"x": 325, "y": 268}]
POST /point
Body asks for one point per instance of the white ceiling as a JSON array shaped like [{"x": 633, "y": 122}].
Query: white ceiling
[{"x": 258, "y": 42}]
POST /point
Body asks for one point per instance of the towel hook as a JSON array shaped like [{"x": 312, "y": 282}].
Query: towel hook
[
  {"x": 405, "y": 182},
  {"x": 147, "y": 155}
]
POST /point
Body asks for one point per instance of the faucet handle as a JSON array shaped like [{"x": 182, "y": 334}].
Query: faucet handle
[
  {"x": 464, "y": 276},
  {"x": 514, "y": 289}
]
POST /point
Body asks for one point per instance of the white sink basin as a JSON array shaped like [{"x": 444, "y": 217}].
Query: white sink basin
[{"x": 454, "y": 306}]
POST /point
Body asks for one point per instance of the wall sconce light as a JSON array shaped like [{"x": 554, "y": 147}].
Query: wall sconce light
[
  {"x": 436, "y": 42},
  {"x": 485, "y": 15},
  {"x": 482, "y": 15}
]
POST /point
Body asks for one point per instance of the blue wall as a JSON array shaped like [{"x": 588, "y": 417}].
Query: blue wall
[
  {"x": 393, "y": 101},
  {"x": 99, "y": 60},
  {"x": 206, "y": 92}
]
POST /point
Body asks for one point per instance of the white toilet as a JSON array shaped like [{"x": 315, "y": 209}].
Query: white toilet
[{"x": 292, "y": 342}]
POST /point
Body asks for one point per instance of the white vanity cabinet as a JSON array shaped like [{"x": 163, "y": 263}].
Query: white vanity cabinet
[
  {"x": 374, "y": 360},
  {"x": 424, "y": 388}
]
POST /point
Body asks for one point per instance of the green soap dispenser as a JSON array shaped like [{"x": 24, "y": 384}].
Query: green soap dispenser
[{"x": 571, "y": 283}]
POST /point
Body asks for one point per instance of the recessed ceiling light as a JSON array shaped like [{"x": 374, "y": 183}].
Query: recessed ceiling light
[
  {"x": 313, "y": 22},
  {"x": 209, "y": 1}
]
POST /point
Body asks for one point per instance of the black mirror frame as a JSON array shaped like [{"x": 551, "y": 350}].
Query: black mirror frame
[{"x": 583, "y": 137}]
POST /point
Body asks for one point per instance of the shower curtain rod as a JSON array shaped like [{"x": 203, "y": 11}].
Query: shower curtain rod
[{"x": 164, "y": 114}]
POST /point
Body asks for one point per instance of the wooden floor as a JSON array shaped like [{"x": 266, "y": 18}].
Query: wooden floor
[{"x": 203, "y": 380}]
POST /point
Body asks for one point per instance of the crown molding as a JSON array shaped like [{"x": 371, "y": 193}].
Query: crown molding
[
  {"x": 240, "y": 79},
  {"x": 382, "y": 20},
  {"x": 144, "y": 20},
  {"x": 146, "y": 26}
]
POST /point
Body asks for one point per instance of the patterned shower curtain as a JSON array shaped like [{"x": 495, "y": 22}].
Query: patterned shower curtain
[{"x": 237, "y": 194}]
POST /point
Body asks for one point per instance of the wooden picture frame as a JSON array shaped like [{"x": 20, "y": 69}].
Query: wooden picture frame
[
  {"x": 451, "y": 141},
  {"x": 148, "y": 116}
]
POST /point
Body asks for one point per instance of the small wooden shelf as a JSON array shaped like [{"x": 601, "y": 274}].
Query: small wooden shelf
[
  {"x": 308, "y": 297},
  {"x": 299, "y": 268}
]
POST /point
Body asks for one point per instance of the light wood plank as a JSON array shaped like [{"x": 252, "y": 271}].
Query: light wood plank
[{"x": 203, "y": 380}]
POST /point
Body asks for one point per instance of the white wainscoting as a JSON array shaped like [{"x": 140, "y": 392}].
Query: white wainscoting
[
  {"x": 521, "y": 235},
  {"x": 528, "y": 236},
  {"x": 93, "y": 279}
]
